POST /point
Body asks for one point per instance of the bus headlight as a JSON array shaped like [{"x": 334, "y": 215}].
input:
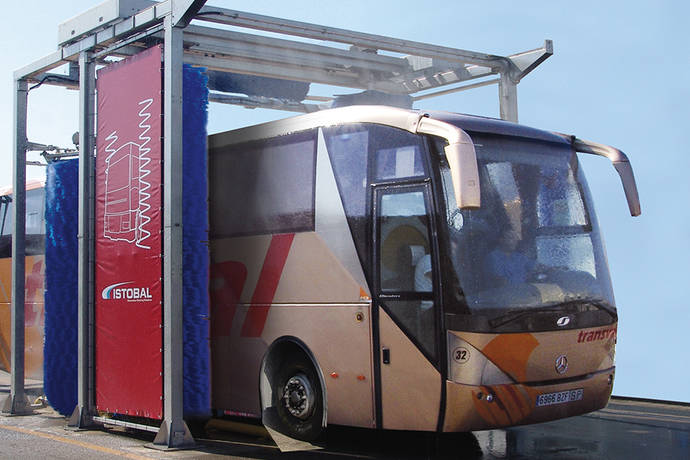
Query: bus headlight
[{"x": 469, "y": 366}]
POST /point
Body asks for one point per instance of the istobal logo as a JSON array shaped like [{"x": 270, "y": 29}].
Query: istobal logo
[{"x": 130, "y": 294}]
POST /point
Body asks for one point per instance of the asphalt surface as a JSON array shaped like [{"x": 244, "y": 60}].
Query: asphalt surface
[{"x": 625, "y": 429}]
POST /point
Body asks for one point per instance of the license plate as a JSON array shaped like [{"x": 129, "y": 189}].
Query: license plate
[{"x": 560, "y": 397}]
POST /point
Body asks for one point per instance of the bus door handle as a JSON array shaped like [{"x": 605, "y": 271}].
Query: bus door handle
[{"x": 386, "y": 355}]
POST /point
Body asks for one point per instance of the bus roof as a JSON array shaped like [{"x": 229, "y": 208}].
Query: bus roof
[
  {"x": 390, "y": 116},
  {"x": 31, "y": 184},
  {"x": 478, "y": 124}
]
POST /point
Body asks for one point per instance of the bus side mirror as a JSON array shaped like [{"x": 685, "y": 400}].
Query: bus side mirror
[
  {"x": 461, "y": 156},
  {"x": 629, "y": 186},
  {"x": 621, "y": 163},
  {"x": 462, "y": 161}
]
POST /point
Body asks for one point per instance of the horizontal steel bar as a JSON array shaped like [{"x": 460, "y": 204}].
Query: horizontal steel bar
[
  {"x": 118, "y": 46},
  {"x": 266, "y": 48},
  {"x": 365, "y": 40},
  {"x": 494, "y": 81},
  {"x": 343, "y": 78},
  {"x": 136, "y": 426},
  {"x": 387, "y": 73},
  {"x": 421, "y": 81},
  {"x": 255, "y": 102},
  {"x": 319, "y": 98},
  {"x": 45, "y": 64}
]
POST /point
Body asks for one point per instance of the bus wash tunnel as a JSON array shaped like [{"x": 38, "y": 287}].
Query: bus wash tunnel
[{"x": 374, "y": 230}]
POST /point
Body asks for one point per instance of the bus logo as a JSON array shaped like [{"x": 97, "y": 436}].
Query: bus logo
[
  {"x": 563, "y": 321},
  {"x": 561, "y": 364}
]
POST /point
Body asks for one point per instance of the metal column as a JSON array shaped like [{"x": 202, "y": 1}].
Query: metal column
[
  {"x": 173, "y": 432},
  {"x": 81, "y": 417},
  {"x": 17, "y": 403},
  {"x": 507, "y": 96}
]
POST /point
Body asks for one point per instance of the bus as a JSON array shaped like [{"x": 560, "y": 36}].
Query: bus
[
  {"x": 396, "y": 269},
  {"x": 35, "y": 268}
]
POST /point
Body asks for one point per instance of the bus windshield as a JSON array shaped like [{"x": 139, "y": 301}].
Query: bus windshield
[{"x": 533, "y": 246}]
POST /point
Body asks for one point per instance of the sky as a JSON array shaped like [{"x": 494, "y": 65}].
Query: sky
[{"x": 619, "y": 75}]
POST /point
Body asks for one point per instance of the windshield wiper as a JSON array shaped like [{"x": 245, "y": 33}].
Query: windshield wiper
[
  {"x": 560, "y": 307},
  {"x": 515, "y": 315}
]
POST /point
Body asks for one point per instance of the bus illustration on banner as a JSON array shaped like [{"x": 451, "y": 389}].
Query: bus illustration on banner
[
  {"x": 126, "y": 196},
  {"x": 122, "y": 204}
]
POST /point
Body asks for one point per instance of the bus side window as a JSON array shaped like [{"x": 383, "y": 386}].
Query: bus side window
[
  {"x": 263, "y": 187},
  {"x": 348, "y": 148},
  {"x": 400, "y": 162},
  {"x": 405, "y": 261},
  {"x": 404, "y": 240},
  {"x": 35, "y": 224},
  {"x": 358, "y": 151}
]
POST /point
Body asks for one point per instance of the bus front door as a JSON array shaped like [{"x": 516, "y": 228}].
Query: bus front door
[{"x": 409, "y": 384}]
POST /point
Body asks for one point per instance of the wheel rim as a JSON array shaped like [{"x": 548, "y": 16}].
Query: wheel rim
[{"x": 298, "y": 396}]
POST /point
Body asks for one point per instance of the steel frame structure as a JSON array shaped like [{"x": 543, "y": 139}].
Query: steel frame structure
[{"x": 370, "y": 62}]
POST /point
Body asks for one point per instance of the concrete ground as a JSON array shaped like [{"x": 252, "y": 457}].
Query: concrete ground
[{"x": 626, "y": 429}]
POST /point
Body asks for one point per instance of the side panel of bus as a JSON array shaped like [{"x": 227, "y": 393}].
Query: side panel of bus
[
  {"x": 291, "y": 240},
  {"x": 33, "y": 316},
  {"x": 284, "y": 265},
  {"x": 34, "y": 283},
  {"x": 293, "y": 286}
]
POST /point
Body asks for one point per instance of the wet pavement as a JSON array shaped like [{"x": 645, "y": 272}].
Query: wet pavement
[{"x": 625, "y": 429}]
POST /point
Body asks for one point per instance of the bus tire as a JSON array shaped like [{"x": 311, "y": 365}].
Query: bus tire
[{"x": 298, "y": 399}]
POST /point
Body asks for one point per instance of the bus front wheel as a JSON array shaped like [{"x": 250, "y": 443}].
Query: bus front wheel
[{"x": 298, "y": 400}]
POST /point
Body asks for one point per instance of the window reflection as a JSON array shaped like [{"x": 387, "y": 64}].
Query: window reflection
[{"x": 533, "y": 242}]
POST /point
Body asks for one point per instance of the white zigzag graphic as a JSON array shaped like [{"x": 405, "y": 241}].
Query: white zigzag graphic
[
  {"x": 144, "y": 185},
  {"x": 110, "y": 151},
  {"x": 112, "y": 137}
]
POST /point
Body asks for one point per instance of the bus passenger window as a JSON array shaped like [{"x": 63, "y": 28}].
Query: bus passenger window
[
  {"x": 263, "y": 187},
  {"x": 34, "y": 212},
  {"x": 35, "y": 224},
  {"x": 348, "y": 148},
  {"x": 405, "y": 262},
  {"x": 399, "y": 162},
  {"x": 404, "y": 239}
]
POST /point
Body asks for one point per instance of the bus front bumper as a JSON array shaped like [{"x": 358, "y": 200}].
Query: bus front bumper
[{"x": 484, "y": 407}]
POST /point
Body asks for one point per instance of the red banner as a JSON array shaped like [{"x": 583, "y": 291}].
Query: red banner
[{"x": 128, "y": 333}]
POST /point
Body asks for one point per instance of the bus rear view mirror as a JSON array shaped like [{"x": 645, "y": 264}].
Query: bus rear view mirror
[
  {"x": 621, "y": 163},
  {"x": 462, "y": 161}
]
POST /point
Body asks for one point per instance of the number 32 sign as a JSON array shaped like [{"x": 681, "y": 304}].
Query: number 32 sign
[{"x": 461, "y": 355}]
